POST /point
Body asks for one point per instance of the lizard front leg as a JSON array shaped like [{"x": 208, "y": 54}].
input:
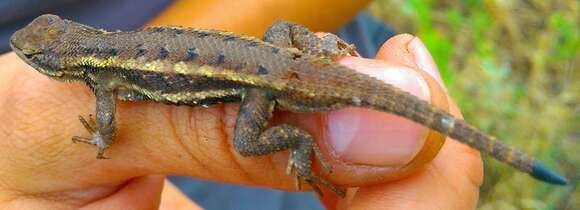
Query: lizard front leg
[
  {"x": 103, "y": 130},
  {"x": 251, "y": 139}
]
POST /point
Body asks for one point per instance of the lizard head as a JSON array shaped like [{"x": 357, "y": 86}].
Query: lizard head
[{"x": 33, "y": 43}]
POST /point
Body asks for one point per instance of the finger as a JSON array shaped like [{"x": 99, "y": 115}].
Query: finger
[
  {"x": 412, "y": 52},
  {"x": 374, "y": 147},
  {"x": 139, "y": 193},
  {"x": 372, "y": 138},
  {"x": 173, "y": 199},
  {"x": 450, "y": 181},
  {"x": 415, "y": 54}
]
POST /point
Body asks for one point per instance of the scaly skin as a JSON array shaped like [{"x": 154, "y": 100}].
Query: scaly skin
[{"x": 291, "y": 69}]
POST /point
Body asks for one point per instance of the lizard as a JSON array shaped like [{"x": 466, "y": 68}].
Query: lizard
[{"x": 290, "y": 69}]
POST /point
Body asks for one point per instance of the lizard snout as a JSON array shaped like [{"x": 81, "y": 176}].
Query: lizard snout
[{"x": 37, "y": 35}]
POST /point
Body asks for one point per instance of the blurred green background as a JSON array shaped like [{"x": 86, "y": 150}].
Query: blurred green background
[{"x": 514, "y": 69}]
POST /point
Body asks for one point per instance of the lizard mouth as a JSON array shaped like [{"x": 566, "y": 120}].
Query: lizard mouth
[
  {"x": 28, "y": 56},
  {"x": 24, "y": 52}
]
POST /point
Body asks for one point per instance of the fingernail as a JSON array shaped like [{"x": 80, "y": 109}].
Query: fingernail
[
  {"x": 423, "y": 58},
  {"x": 364, "y": 136}
]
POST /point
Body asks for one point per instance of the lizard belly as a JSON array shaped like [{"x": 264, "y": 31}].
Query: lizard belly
[
  {"x": 191, "y": 98},
  {"x": 175, "y": 88}
]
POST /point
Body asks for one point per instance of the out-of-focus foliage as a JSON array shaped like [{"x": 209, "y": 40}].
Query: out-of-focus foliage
[{"x": 514, "y": 69}]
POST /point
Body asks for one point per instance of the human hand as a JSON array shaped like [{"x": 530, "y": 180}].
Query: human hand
[{"x": 41, "y": 168}]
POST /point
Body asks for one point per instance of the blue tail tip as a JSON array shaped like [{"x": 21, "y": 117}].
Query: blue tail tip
[{"x": 542, "y": 172}]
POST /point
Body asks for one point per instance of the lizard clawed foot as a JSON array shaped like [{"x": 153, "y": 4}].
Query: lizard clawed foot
[
  {"x": 316, "y": 182},
  {"x": 96, "y": 139},
  {"x": 297, "y": 162},
  {"x": 292, "y": 161}
]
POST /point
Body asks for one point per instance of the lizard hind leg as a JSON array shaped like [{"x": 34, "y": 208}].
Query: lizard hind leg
[
  {"x": 252, "y": 139},
  {"x": 102, "y": 129},
  {"x": 287, "y": 34}
]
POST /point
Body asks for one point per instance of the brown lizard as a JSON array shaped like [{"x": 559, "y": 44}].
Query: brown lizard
[{"x": 290, "y": 69}]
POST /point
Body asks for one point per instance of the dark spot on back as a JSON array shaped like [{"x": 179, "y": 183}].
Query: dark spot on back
[
  {"x": 296, "y": 56},
  {"x": 461, "y": 130},
  {"x": 177, "y": 31},
  {"x": 229, "y": 38},
  {"x": 275, "y": 50},
  {"x": 293, "y": 75},
  {"x": 262, "y": 70},
  {"x": 420, "y": 107},
  {"x": 438, "y": 125},
  {"x": 140, "y": 52},
  {"x": 480, "y": 140},
  {"x": 221, "y": 59},
  {"x": 112, "y": 52},
  {"x": 163, "y": 53},
  {"x": 158, "y": 30},
  {"x": 202, "y": 34},
  {"x": 252, "y": 44},
  {"x": 89, "y": 51},
  {"x": 192, "y": 54}
]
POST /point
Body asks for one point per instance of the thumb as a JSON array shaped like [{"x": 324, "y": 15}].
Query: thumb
[{"x": 451, "y": 180}]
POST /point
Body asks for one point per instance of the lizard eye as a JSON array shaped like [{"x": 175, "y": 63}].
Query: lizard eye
[{"x": 52, "y": 31}]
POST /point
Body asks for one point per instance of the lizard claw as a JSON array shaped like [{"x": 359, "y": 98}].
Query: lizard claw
[
  {"x": 90, "y": 125},
  {"x": 298, "y": 183},
  {"x": 303, "y": 172},
  {"x": 325, "y": 166},
  {"x": 316, "y": 182},
  {"x": 290, "y": 166},
  {"x": 93, "y": 141}
]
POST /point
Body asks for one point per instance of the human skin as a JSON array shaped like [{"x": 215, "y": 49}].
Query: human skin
[{"x": 41, "y": 168}]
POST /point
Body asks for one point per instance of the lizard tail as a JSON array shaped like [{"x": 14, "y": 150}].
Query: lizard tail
[
  {"x": 365, "y": 91},
  {"x": 408, "y": 106}
]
